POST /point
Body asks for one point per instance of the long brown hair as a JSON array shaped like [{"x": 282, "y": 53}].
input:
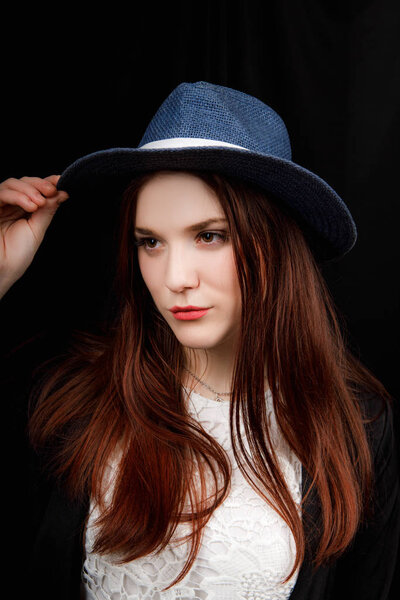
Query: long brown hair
[{"x": 121, "y": 389}]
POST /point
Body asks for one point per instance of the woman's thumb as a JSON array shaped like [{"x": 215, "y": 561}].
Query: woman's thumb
[{"x": 40, "y": 220}]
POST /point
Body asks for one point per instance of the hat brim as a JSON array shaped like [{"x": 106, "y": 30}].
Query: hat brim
[{"x": 322, "y": 214}]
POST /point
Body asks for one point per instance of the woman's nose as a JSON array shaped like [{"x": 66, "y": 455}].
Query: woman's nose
[{"x": 180, "y": 270}]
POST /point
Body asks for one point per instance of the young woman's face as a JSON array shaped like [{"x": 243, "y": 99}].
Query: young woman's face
[{"x": 182, "y": 265}]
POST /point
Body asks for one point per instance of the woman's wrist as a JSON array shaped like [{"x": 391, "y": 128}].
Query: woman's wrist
[{"x": 5, "y": 284}]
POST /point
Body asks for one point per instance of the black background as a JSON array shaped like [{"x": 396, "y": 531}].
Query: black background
[{"x": 73, "y": 84}]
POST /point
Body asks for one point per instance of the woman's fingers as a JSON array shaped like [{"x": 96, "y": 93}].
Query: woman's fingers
[
  {"x": 53, "y": 179},
  {"x": 21, "y": 235},
  {"x": 61, "y": 194},
  {"x": 17, "y": 198},
  {"x": 46, "y": 186},
  {"x": 31, "y": 192},
  {"x": 20, "y": 192}
]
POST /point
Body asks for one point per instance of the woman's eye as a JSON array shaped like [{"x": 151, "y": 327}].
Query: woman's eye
[
  {"x": 212, "y": 234},
  {"x": 151, "y": 240},
  {"x": 144, "y": 242},
  {"x": 208, "y": 238}
]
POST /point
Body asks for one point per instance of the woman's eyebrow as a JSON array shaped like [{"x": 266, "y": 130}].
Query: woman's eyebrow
[{"x": 195, "y": 227}]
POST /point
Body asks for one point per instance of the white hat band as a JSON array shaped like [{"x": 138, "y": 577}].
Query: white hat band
[{"x": 184, "y": 142}]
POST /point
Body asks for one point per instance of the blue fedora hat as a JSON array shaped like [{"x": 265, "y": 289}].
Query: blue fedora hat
[{"x": 208, "y": 127}]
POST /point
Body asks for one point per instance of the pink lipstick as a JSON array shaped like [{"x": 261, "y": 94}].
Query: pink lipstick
[{"x": 188, "y": 313}]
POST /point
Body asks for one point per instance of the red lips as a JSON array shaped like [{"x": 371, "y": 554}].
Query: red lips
[{"x": 186, "y": 308}]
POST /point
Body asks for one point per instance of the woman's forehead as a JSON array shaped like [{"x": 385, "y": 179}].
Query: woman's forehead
[{"x": 177, "y": 197}]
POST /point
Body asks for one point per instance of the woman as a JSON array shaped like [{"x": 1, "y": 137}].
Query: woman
[{"x": 218, "y": 440}]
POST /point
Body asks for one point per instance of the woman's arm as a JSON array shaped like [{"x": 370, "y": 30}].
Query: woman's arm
[{"x": 367, "y": 569}]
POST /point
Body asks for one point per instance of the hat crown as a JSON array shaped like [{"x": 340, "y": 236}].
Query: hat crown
[{"x": 208, "y": 111}]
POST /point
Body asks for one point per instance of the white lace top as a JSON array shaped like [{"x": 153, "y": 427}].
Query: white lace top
[{"x": 247, "y": 548}]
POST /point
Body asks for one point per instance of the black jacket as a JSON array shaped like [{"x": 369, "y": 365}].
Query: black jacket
[{"x": 53, "y": 533}]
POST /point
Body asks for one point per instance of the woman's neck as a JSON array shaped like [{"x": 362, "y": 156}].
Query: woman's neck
[
  {"x": 217, "y": 375},
  {"x": 216, "y": 372}
]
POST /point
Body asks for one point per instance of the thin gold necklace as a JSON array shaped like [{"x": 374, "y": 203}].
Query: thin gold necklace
[{"x": 217, "y": 394}]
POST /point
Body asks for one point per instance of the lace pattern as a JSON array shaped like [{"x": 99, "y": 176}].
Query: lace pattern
[{"x": 247, "y": 548}]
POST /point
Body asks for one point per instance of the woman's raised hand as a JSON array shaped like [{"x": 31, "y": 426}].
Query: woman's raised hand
[{"x": 27, "y": 207}]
